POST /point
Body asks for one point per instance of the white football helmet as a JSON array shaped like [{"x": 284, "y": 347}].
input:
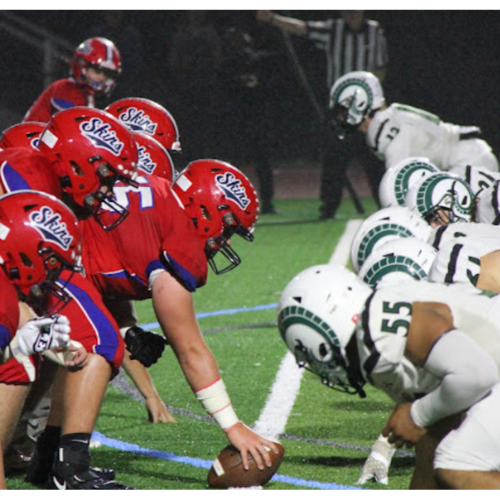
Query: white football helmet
[
  {"x": 441, "y": 198},
  {"x": 398, "y": 179},
  {"x": 384, "y": 225},
  {"x": 352, "y": 98},
  {"x": 317, "y": 315},
  {"x": 398, "y": 259},
  {"x": 487, "y": 209},
  {"x": 457, "y": 262}
]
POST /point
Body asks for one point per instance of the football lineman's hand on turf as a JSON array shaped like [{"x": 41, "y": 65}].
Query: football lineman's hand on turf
[
  {"x": 157, "y": 411},
  {"x": 40, "y": 334},
  {"x": 146, "y": 347},
  {"x": 377, "y": 464},
  {"x": 400, "y": 429},
  {"x": 247, "y": 441}
]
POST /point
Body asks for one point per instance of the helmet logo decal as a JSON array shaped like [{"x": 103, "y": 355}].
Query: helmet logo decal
[
  {"x": 145, "y": 161},
  {"x": 102, "y": 135},
  {"x": 50, "y": 226},
  {"x": 232, "y": 189},
  {"x": 136, "y": 119},
  {"x": 85, "y": 48}
]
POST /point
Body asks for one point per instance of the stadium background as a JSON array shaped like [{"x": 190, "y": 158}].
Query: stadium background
[{"x": 443, "y": 61}]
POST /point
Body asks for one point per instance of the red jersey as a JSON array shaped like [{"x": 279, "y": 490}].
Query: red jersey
[
  {"x": 91, "y": 323},
  {"x": 61, "y": 94},
  {"x": 157, "y": 234},
  {"x": 9, "y": 310},
  {"x": 25, "y": 168}
]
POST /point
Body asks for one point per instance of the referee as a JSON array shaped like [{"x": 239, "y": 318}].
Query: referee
[{"x": 350, "y": 43}]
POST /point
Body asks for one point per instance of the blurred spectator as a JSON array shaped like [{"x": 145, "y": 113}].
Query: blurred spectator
[
  {"x": 117, "y": 25},
  {"x": 350, "y": 43},
  {"x": 246, "y": 75},
  {"x": 194, "y": 59}
]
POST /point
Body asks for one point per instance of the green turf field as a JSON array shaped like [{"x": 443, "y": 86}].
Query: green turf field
[{"x": 328, "y": 434}]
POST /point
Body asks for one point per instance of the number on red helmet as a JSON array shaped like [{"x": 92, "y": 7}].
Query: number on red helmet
[
  {"x": 90, "y": 150},
  {"x": 39, "y": 238},
  {"x": 222, "y": 202},
  {"x": 101, "y": 55},
  {"x": 150, "y": 117},
  {"x": 22, "y": 135}
]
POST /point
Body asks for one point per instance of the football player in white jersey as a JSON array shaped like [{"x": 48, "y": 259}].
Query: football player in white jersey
[
  {"x": 398, "y": 131},
  {"x": 399, "y": 340},
  {"x": 457, "y": 253}
]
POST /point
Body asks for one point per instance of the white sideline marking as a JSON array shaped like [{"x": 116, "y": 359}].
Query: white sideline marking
[{"x": 273, "y": 418}]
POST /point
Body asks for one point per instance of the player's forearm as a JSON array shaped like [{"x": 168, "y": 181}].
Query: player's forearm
[
  {"x": 139, "y": 375},
  {"x": 467, "y": 376}
]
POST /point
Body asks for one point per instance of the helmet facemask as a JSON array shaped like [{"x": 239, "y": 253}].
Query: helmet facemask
[
  {"x": 345, "y": 118},
  {"x": 103, "y": 201},
  {"x": 99, "y": 88},
  {"x": 38, "y": 296},
  {"x": 448, "y": 209},
  {"x": 221, "y": 244}
]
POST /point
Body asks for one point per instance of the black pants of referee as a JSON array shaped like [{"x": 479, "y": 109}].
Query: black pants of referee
[{"x": 338, "y": 155}]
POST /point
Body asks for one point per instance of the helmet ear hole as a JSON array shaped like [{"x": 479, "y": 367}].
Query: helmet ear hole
[
  {"x": 27, "y": 262},
  {"x": 76, "y": 168},
  {"x": 205, "y": 213}
]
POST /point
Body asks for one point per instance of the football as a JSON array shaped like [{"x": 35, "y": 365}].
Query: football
[{"x": 227, "y": 469}]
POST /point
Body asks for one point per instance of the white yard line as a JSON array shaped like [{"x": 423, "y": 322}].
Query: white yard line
[{"x": 273, "y": 418}]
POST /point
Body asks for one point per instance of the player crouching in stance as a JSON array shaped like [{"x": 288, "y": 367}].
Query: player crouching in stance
[
  {"x": 399, "y": 340},
  {"x": 39, "y": 239}
]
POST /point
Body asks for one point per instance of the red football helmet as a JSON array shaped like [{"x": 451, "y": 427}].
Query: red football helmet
[
  {"x": 222, "y": 202},
  {"x": 90, "y": 149},
  {"x": 153, "y": 157},
  {"x": 101, "y": 55},
  {"x": 149, "y": 117},
  {"x": 39, "y": 238},
  {"x": 22, "y": 135}
]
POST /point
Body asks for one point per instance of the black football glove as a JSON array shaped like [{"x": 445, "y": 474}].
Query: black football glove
[{"x": 146, "y": 347}]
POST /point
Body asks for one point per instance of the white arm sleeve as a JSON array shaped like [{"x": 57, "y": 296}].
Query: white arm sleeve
[{"x": 467, "y": 372}]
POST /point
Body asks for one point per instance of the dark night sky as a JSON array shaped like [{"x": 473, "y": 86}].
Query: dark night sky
[{"x": 447, "y": 62}]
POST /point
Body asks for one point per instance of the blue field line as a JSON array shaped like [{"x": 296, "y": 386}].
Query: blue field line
[
  {"x": 152, "y": 326},
  {"x": 206, "y": 464}
]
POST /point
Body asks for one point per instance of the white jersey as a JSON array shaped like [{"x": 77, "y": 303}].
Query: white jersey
[
  {"x": 384, "y": 324},
  {"x": 478, "y": 178},
  {"x": 402, "y": 131},
  {"x": 486, "y": 237}
]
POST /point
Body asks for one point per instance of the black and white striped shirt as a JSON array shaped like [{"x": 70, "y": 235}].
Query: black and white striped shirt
[{"x": 347, "y": 50}]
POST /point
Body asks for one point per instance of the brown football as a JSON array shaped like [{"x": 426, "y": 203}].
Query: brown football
[{"x": 227, "y": 469}]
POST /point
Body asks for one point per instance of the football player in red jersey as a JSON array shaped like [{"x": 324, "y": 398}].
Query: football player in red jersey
[
  {"x": 95, "y": 67},
  {"x": 83, "y": 152},
  {"x": 180, "y": 230},
  {"x": 39, "y": 239}
]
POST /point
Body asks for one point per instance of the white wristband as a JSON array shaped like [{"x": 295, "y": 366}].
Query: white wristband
[{"x": 216, "y": 402}]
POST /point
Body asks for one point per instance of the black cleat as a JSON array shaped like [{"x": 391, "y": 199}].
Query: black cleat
[
  {"x": 86, "y": 480},
  {"x": 38, "y": 472}
]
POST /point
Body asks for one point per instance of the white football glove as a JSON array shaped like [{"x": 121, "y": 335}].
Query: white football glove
[
  {"x": 378, "y": 462},
  {"x": 40, "y": 334}
]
